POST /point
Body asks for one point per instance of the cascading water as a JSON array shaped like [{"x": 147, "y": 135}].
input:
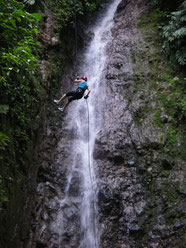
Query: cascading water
[
  {"x": 94, "y": 62},
  {"x": 85, "y": 120}
]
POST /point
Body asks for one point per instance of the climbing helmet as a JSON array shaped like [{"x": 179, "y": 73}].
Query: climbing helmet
[{"x": 84, "y": 78}]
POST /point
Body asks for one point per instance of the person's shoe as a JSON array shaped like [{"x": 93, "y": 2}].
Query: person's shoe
[
  {"x": 56, "y": 101},
  {"x": 61, "y": 109}
]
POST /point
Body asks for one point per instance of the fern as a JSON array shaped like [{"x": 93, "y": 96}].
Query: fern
[
  {"x": 180, "y": 32},
  {"x": 181, "y": 56},
  {"x": 175, "y": 34},
  {"x": 4, "y": 109}
]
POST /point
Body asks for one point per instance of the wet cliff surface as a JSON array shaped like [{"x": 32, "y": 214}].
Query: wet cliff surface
[
  {"x": 141, "y": 197},
  {"x": 140, "y": 185}
]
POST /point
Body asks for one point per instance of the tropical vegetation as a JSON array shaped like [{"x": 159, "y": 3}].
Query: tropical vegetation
[{"x": 172, "y": 25}]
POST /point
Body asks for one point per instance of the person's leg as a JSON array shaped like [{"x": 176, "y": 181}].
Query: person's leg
[
  {"x": 63, "y": 97},
  {"x": 69, "y": 93},
  {"x": 70, "y": 99},
  {"x": 72, "y": 95},
  {"x": 66, "y": 104}
]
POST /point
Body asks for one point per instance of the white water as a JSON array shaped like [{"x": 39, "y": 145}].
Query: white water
[{"x": 94, "y": 62}]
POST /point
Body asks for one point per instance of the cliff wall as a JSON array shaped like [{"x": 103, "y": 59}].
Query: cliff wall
[
  {"x": 138, "y": 151},
  {"x": 142, "y": 171}
]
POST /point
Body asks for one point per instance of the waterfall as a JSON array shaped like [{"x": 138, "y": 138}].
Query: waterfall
[{"x": 85, "y": 123}]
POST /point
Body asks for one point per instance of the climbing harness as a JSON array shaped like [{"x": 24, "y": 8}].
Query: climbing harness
[{"x": 94, "y": 209}]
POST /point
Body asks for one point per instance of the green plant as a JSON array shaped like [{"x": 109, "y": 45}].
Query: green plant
[
  {"x": 19, "y": 89},
  {"x": 4, "y": 140},
  {"x": 175, "y": 35},
  {"x": 171, "y": 136},
  {"x": 172, "y": 26},
  {"x": 157, "y": 118},
  {"x": 67, "y": 12}
]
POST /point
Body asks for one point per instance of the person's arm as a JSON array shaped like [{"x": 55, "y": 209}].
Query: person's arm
[
  {"x": 78, "y": 80},
  {"x": 87, "y": 93},
  {"x": 88, "y": 90}
]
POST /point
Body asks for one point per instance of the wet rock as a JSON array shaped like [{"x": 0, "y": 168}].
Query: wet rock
[
  {"x": 109, "y": 200},
  {"x": 122, "y": 6},
  {"x": 167, "y": 162},
  {"x": 75, "y": 185},
  {"x": 40, "y": 244},
  {"x": 141, "y": 193},
  {"x": 128, "y": 151}
]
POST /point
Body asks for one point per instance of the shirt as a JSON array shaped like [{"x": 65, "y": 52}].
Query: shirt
[{"x": 83, "y": 85}]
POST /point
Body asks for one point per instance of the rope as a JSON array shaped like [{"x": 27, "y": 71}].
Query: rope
[
  {"x": 94, "y": 211},
  {"x": 89, "y": 145}
]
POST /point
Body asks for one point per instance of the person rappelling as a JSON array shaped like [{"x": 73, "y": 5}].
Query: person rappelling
[{"x": 75, "y": 94}]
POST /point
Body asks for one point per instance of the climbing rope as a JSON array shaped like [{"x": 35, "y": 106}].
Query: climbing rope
[
  {"x": 89, "y": 145},
  {"x": 94, "y": 210}
]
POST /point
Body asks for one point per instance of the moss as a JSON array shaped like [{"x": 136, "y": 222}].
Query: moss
[
  {"x": 165, "y": 173},
  {"x": 141, "y": 114},
  {"x": 171, "y": 136},
  {"x": 157, "y": 118},
  {"x": 169, "y": 192},
  {"x": 165, "y": 85},
  {"x": 164, "y": 88},
  {"x": 147, "y": 181},
  {"x": 151, "y": 18}
]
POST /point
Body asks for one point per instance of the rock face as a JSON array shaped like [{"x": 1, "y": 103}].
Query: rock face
[
  {"x": 141, "y": 196},
  {"x": 140, "y": 201}
]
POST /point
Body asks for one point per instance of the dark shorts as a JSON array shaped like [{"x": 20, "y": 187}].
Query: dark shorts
[{"x": 75, "y": 94}]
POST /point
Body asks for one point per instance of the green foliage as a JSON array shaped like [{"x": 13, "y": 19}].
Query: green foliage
[
  {"x": 4, "y": 109},
  {"x": 173, "y": 28},
  {"x": 171, "y": 93},
  {"x": 157, "y": 118},
  {"x": 19, "y": 30},
  {"x": 18, "y": 55},
  {"x": 67, "y": 11},
  {"x": 171, "y": 137},
  {"x": 168, "y": 81},
  {"x": 175, "y": 35},
  {"x": 90, "y": 6},
  {"x": 154, "y": 17},
  {"x": 18, "y": 88},
  {"x": 4, "y": 140}
]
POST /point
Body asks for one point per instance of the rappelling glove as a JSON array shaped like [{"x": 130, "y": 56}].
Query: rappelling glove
[{"x": 86, "y": 96}]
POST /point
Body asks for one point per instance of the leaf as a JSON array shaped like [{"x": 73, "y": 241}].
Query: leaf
[
  {"x": 37, "y": 16},
  {"x": 18, "y": 19},
  {"x": 180, "y": 32},
  {"x": 4, "y": 109},
  {"x": 183, "y": 19},
  {"x": 19, "y": 13},
  {"x": 181, "y": 57},
  {"x": 4, "y": 198},
  {"x": 4, "y": 139}
]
